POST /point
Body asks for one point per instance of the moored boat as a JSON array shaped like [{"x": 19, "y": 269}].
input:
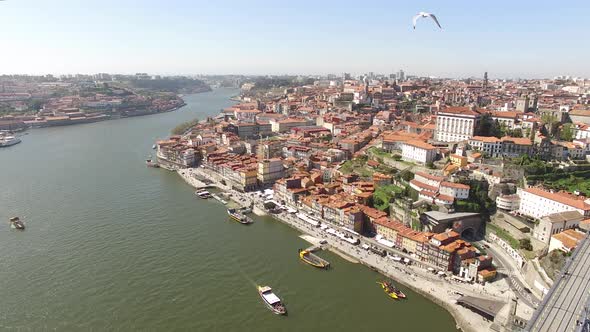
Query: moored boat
[
  {"x": 312, "y": 259},
  {"x": 6, "y": 141},
  {"x": 16, "y": 223},
  {"x": 239, "y": 217},
  {"x": 271, "y": 300},
  {"x": 204, "y": 194},
  {"x": 392, "y": 291}
]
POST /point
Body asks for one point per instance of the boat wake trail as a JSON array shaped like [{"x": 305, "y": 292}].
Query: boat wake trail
[{"x": 249, "y": 279}]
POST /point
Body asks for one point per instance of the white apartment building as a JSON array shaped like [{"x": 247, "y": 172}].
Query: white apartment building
[
  {"x": 456, "y": 124},
  {"x": 537, "y": 203},
  {"x": 419, "y": 152},
  {"x": 582, "y": 131},
  {"x": 489, "y": 146},
  {"x": 433, "y": 188},
  {"x": 429, "y": 179},
  {"x": 456, "y": 190}
]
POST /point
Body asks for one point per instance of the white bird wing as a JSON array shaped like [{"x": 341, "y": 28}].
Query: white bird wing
[
  {"x": 415, "y": 19},
  {"x": 435, "y": 20}
]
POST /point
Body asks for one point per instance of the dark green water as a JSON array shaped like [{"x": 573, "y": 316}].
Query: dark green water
[{"x": 113, "y": 245}]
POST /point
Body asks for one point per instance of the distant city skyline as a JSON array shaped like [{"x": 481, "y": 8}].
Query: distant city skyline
[{"x": 505, "y": 39}]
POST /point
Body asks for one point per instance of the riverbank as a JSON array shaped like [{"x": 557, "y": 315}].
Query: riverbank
[{"x": 440, "y": 291}]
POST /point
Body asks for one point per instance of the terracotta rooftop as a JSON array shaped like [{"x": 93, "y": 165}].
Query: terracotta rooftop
[
  {"x": 459, "y": 111},
  {"x": 430, "y": 176},
  {"x": 486, "y": 139},
  {"x": 454, "y": 185},
  {"x": 421, "y": 145},
  {"x": 569, "y": 238}
]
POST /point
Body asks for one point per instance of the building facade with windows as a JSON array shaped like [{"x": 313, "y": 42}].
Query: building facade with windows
[
  {"x": 456, "y": 124},
  {"x": 538, "y": 203}
]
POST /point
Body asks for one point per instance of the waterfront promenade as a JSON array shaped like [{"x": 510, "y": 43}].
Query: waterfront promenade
[{"x": 441, "y": 291}]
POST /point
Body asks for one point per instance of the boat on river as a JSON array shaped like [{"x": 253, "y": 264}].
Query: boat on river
[
  {"x": 392, "y": 291},
  {"x": 313, "y": 260},
  {"x": 6, "y": 141},
  {"x": 16, "y": 223},
  {"x": 239, "y": 217},
  {"x": 272, "y": 301},
  {"x": 204, "y": 194}
]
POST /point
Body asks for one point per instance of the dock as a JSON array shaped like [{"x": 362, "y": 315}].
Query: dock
[
  {"x": 314, "y": 248},
  {"x": 217, "y": 197}
]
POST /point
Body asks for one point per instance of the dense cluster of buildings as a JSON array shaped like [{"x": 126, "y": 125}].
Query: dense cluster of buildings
[{"x": 333, "y": 147}]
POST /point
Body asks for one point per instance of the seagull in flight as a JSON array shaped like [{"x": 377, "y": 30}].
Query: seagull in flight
[{"x": 423, "y": 14}]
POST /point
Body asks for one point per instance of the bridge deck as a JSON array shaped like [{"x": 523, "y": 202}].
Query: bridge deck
[{"x": 565, "y": 303}]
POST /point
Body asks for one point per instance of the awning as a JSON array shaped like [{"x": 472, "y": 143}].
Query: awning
[
  {"x": 386, "y": 243},
  {"x": 307, "y": 219},
  {"x": 271, "y": 298}
]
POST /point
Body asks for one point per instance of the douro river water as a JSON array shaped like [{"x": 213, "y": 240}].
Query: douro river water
[{"x": 113, "y": 245}]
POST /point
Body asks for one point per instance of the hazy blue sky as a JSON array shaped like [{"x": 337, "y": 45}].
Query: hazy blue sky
[{"x": 506, "y": 38}]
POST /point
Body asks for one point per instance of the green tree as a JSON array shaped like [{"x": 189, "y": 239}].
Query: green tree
[
  {"x": 550, "y": 122},
  {"x": 35, "y": 104},
  {"x": 517, "y": 132},
  {"x": 478, "y": 196},
  {"x": 183, "y": 127},
  {"x": 500, "y": 129},
  {"x": 567, "y": 132},
  {"x": 486, "y": 125},
  {"x": 407, "y": 175},
  {"x": 526, "y": 244}
]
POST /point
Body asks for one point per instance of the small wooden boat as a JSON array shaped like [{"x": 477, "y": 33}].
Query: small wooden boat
[{"x": 16, "y": 223}]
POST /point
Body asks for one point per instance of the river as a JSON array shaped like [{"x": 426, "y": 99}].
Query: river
[{"x": 113, "y": 245}]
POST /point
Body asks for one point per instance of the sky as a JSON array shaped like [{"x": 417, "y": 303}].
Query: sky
[{"x": 508, "y": 39}]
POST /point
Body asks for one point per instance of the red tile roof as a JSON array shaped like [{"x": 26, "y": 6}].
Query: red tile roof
[
  {"x": 420, "y": 145},
  {"x": 459, "y": 111}
]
